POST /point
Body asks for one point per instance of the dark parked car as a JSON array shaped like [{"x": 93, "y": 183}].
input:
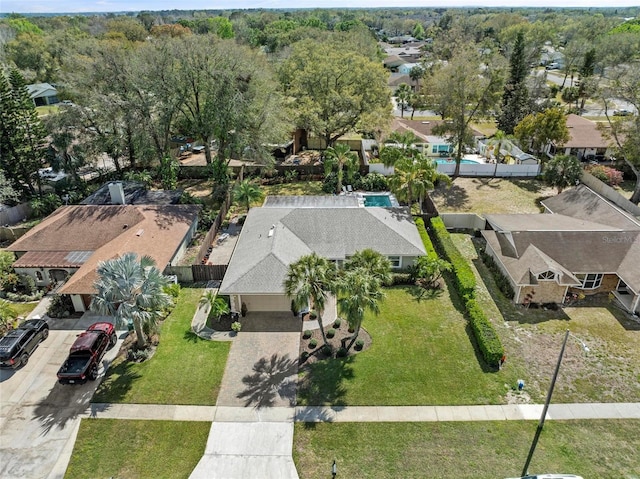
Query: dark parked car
[
  {"x": 18, "y": 344},
  {"x": 86, "y": 353}
]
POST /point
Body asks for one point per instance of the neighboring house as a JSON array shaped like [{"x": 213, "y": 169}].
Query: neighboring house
[
  {"x": 392, "y": 62},
  {"x": 131, "y": 193},
  {"x": 432, "y": 145},
  {"x": 406, "y": 68},
  {"x": 585, "y": 246},
  {"x": 585, "y": 140},
  {"x": 396, "y": 79},
  {"x": 43, "y": 94},
  {"x": 69, "y": 244},
  {"x": 287, "y": 228},
  {"x": 509, "y": 152}
]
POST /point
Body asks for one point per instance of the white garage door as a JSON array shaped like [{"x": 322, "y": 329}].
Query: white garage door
[{"x": 275, "y": 302}]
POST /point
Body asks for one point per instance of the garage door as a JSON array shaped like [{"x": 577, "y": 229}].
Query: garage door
[{"x": 275, "y": 302}]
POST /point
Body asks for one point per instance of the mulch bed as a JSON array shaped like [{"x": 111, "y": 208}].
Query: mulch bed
[{"x": 317, "y": 354}]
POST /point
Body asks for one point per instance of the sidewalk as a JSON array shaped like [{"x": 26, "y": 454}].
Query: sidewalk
[{"x": 506, "y": 412}]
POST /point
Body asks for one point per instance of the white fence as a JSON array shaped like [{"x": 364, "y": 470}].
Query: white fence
[
  {"x": 609, "y": 193},
  {"x": 466, "y": 221},
  {"x": 476, "y": 169}
]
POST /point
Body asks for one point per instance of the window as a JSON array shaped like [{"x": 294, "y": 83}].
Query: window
[
  {"x": 590, "y": 280},
  {"x": 434, "y": 149},
  {"x": 38, "y": 276},
  {"x": 547, "y": 276},
  {"x": 395, "y": 261}
]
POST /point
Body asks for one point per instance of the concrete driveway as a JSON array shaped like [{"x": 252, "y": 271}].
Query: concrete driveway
[{"x": 39, "y": 417}]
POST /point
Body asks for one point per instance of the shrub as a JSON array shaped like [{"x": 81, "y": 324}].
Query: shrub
[
  {"x": 313, "y": 343},
  {"x": 331, "y": 333},
  {"x": 327, "y": 350},
  {"x": 498, "y": 276},
  {"x": 330, "y": 183},
  {"x": 485, "y": 334},
  {"x": 400, "y": 278},
  {"x": 606, "y": 174},
  {"x": 464, "y": 280},
  {"x": 60, "y": 307},
  {"x": 342, "y": 353},
  {"x": 359, "y": 344},
  {"x": 172, "y": 290},
  {"x": 304, "y": 356},
  {"x": 24, "y": 298},
  {"x": 137, "y": 355},
  {"x": 371, "y": 182},
  {"x": 428, "y": 245},
  {"x": 28, "y": 284},
  {"x": 236, "y": 326},
  {"x": 307, "y": 334},
  {"x": 337, "y": 323},
  {"x": 313, "y": 315}
]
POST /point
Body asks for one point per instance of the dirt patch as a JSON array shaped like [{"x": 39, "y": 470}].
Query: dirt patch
[{"x": 309, "y": 354}]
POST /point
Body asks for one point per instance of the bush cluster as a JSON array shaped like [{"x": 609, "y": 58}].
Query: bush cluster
[
  {"x": 610, "y": 176},
  {"x": 465, "y": 283},
  {"x": 484, "y": 332},
  {"x": 400, "y": 278},
  {"x": 22, "y": 298},
  {"x": 428, "y": 245},
  {"x": 369, "y": 182},
  {"x": 464, "y": 279},
  {"x": 498, "y": 276},
  {"x": 60, "y": 307}
]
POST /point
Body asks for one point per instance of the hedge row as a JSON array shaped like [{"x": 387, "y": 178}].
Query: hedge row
[
  {"x": 486, "y": 336},
  {"x": 464, "y": 279},
  {"x": 465, "y": 283},
  {"x": 428, "y": 245}
]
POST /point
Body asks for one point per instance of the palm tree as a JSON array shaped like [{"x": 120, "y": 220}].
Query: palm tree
[
  {"x": 360, "y": 291},
  {"x": 309, "y": 282},
  {"x": 399, "y": 145},
  {"x": 246, "y": 192},
  {"x": 373, "y": 262},
  {"x": 499, "y": 141},
  {"x": 340, "y": 158},
  {"x": 128, "y": 289},
  {"x": 403, "y": 92},
  {"x": 216, "y": 305},
  {"x": 413, "y": 177}
]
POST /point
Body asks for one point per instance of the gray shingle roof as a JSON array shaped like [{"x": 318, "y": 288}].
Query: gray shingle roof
[{"x": 260, "y": 261}]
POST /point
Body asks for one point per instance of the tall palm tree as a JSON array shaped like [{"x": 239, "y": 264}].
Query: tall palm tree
[
  {"x": 340, "y": 158},
  {"x": 373, "y": 262},
  {"x": 128, "y": 289},
  {"x": 309, "y": 282},
  {"x": 246, "y": 192},
  {"x": 399, "y": 145},
  {"x": 360, "y": 291},
  {"x": 403, "y": 92},
  {"x": 413, "y": 177}
]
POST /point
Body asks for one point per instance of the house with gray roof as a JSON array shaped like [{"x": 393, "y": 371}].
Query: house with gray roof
[
  {"x": 43, "y": 94},
  {"x": 583, "y": 245},
  {"x": 283, "y": 230}
]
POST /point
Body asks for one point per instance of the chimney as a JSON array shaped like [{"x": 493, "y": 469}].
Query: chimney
[{"x": 117, "y": 193}]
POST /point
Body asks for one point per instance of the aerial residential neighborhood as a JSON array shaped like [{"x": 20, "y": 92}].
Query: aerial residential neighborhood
[{"x": 304, "y": 241}]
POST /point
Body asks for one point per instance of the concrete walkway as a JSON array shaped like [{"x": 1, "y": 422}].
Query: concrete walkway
[{"x": 506, "y": 412}]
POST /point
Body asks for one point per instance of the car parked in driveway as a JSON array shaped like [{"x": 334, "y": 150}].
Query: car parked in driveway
[
  {"x": 20, "y": 343},
  {"x": 86, "y": 352}
]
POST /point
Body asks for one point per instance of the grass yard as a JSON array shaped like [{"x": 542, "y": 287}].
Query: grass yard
[
  {"x": 133, "y": 449},
  {"x": 491, "y": 195},
  {"x": 297, "y": 188},
  {"x": 421, "y": 354},
  {"x": 184, "y": 370},
  {"x": 458, "y": 450},
  {"x": 23, "y": 309},
  {"x": 626, "y": 188},
  {"x": 608, "y": 372}
]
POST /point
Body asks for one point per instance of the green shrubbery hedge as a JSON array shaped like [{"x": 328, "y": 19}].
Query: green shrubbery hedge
[
  {"x": 465, "y": 283},
  {"x": 464, "y": 279},
  {"x": 486, "y": 336},
  {"x": 498, "y": 276},
  {"x": 428, "y": 245}
]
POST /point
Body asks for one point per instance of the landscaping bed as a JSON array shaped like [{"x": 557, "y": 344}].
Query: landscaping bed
[{"x": 312, "y": 346}]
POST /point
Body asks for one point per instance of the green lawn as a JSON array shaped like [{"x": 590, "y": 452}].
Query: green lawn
[
  {"x": 421, "y": 354},
  {"x": 135, "y": 449},
  {"x": 491, "y": 195},
  {"x": 297, "y": 188},
  {"x": 593, "y": 449},
  {"x": 184, "y": 370},
  {"x": 608, "y": 372},
  {"x": 23, "y": 309}
]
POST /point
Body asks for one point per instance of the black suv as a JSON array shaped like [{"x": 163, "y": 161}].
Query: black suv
[{"x": 18, "y": 344}]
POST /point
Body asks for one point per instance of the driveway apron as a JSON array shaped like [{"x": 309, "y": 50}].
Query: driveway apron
[{"x": 261, "y": 374}]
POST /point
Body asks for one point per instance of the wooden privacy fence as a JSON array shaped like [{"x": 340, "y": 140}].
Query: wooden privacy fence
[
  {"x": 215, "y": 227},
  {"x": 208, "y": 272}
]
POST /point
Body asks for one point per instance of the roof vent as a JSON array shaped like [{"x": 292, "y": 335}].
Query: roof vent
[
  {"x": 271, "y": 230},
  {"x": 117, "y": 193},
  {"x": 139, "y": 232}
]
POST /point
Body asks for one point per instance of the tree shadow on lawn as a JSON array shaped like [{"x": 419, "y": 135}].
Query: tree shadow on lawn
[
  {"x": 272, "y": 378},
  {"x": 452, "y": 196},
  {"x": 493, "y": 183},
  {"x": 321, "y": 382},
  {"x": 421, "y": 294},
  {"x": 530, "y": 185},
  {"x": 118, "y": 382}
]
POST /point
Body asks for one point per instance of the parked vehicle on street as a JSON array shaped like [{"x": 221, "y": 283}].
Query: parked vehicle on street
[
  {"x": 86, "y": 353},
  {"x": 553, "y": 66},
  {"x": 20, "y": 343},
  {"x": 622, "y": 113}
]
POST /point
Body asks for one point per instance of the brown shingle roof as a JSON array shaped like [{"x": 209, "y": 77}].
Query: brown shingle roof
[
  {"x": 108, "y": 231},
  {"x": 584, "y": 134}
]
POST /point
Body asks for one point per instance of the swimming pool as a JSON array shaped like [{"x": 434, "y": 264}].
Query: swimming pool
[
  {"x": 444, "y": 161},
  {"x": 380, "y": 201}
]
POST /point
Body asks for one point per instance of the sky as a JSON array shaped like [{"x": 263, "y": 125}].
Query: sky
[{"x": 71, "y": 6}]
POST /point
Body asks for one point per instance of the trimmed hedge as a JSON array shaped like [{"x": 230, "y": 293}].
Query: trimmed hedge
[
  {"x": 498, "y": 276},
  {"x": 428, "y": 245},
  {"x": 464, "y": 279},
  {"x": 486, "y": 336}
]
